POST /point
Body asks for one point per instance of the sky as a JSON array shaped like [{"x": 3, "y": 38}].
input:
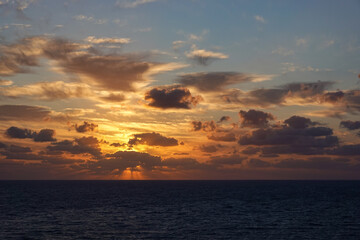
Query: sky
[{"x": 166, "y": 89}]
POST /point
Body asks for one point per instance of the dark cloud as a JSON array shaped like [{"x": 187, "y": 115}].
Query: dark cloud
[
  {"x": 85, "y": 127},
  {"x": 181, "y": 163},
  {"x": 109, "y": 71},
  {"x": 333, "y": 97},
  {"x": 304, "y": 92},
  {"x": 224, "y": 137},
  {"x": 206, "y": 126},
  {"x": 82, "y": 145},
  {"x": 227, "y": 160},
  {"x": 224, "y": 119},
  {"x": 118, "y": 144},
  {"x": 15, "y": 132},
  {"x": 299, "y": 122},
  {"x": 171, "y": 98},
  {"x": 208, "y": 148},
  {"x": 258, "y": 163},
  {"x": 351, "y": 125},
  {"x": 255, "y": 119},
  {"x": 213, "y": 81},
  {"x": 152, "y": 139},
  {"x": 114, "y": 98},
  {"x": 45, "y": 135},
  {"x": 251, "y": 150},
  {"x": 314, "y": 136},
  {"x": 24, "y": 113},
  {"x": 122, "y": 160},
  {"x": 346, "y": 150},
  {"x": 321, "y": 163},
  {"x": 204, "y": 57}
]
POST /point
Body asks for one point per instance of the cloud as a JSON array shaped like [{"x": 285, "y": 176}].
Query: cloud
[
  {"x": 321, "y": 163},
  {"x": 206, "y": 126},
  {"x": 204, "y": 57},
  {"x": 16, "y": 6},
  {"x": 283, "y": 51},
  {"x": 49, "y": 90},
  {"x": 152, "y": 139},
  {"x": 132, "y": 3},
  {"x": 94, "y": 40},
  {"x": 296, "y": 137},
  {"x": 89, "y": 145},
  {"x": 299, "y": 122},
  {"x": 255, "y": 119},
  {"x": 208, "y": 148},
  {"x": 224, "y": 137},
  {"x": 15, "y": 132},
  {"x": 259, "y": 19},
  {"x": 181, "y": 163},
  {"x": 45, "y": 135},
  {"x": 178, "y": 44},
  {"x": 4, "y": 82},
  {"x": 351, "y": 125},
  {"x": 301, "y": 41},
  {"x": 85, "y": 127},
  {"x": 23, "y": 112},
  {"x": 113, "y": 97},
  {"x": 346, "y": 150},
  {"x": 227, "y": 160},
  {"x": 111, "y": 71},
  {"x": 217, "y": 81},
  {"x": 172, "y": 97},
  {"x": 289, "y": 94},
  {"x": 118, "y": 162},
  {"x": 224, "y": 119},
  {"x": 90, "y": 19}
]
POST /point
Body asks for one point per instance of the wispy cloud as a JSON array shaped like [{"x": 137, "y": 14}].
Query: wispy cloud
[
  {"x": 283, "y": 51},
  {"x": 204, "y": 57},
  {"x": 132, "y": 4},
  {"x": 90, "y": 19},
  {"x": 259, "y": 18}
]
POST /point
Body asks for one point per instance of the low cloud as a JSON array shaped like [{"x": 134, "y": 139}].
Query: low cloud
[
  {"x": 204, "y": 57},
  {"x": 165, "y": 98},
  {"x": 217, "y": 81},
  {"x": 85, "y": 127},
  {"x": 224, "y": 119},
  {"x": 255, "y": 119},
  {"x": 132, "y": 3},
  {"x": 152, "y": 139},
  {"x": 109, "y": 71},
  {"x": 299, "y": 122},
  {"x": 206, "y": 126},
  {"x": 89, "y": 145},
  {"x": 222, "y": 137},
  {"x": 44, "y": 135},
  {"x": 259, "y": 18},
  {"x": 350, "y": 125}
]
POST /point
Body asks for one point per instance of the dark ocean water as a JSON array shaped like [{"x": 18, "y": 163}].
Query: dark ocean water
[{"x": 180, "y": 210}]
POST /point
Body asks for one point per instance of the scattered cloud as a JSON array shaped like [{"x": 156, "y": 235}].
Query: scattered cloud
[
  {"x": 204, "y": 57},
  {"x": 152, "y": 139},
  {"x": 44, "y": 135},
  {"x": 217, "y": 81},
  {"x": 85, "y": 127},
  {"x": 172, "y": 97},
  {"x": 259, "y": 18},
  {"x": 132, "y": 3},
  {"x": 283, "y": 51},
  {"x": 255, "y": 119}
]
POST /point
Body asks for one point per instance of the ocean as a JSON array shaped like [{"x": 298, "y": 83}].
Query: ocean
[{"x": 180, "y": 210}]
